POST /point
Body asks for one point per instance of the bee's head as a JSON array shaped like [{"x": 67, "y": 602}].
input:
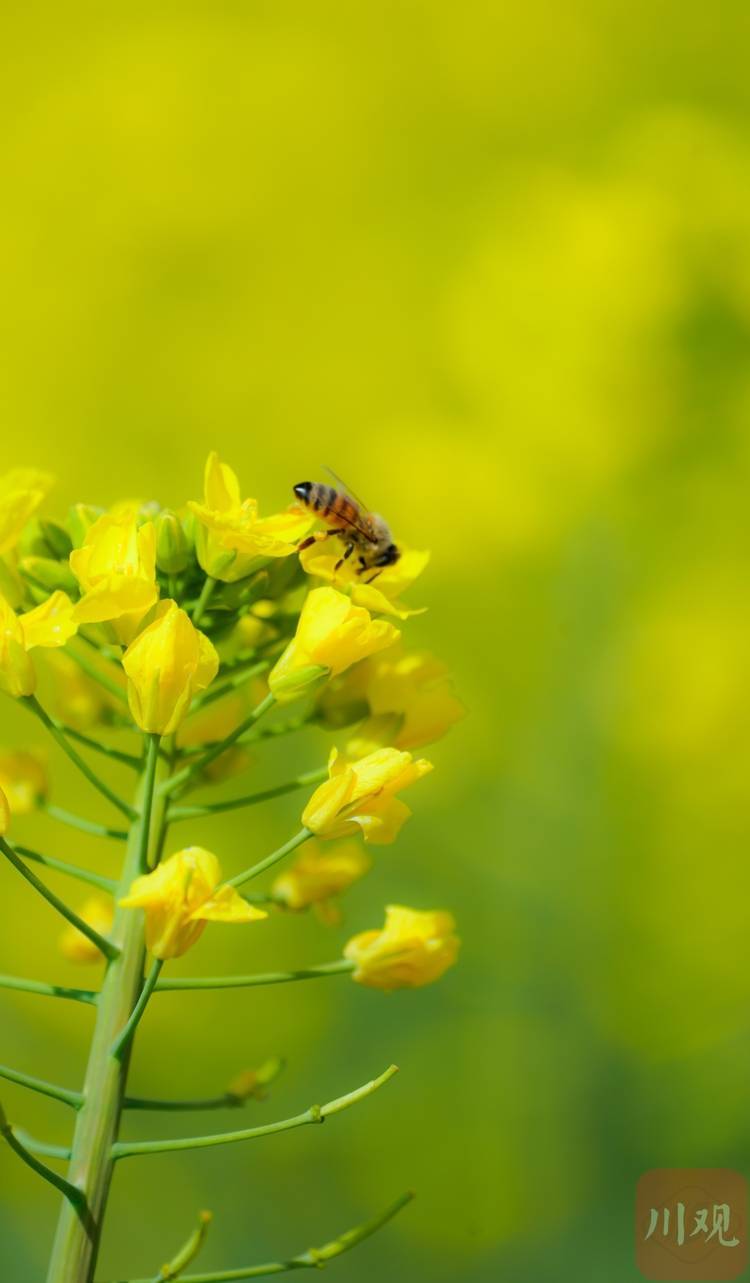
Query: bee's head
[
  {"x": 390, "y": 556},
  {"x": 302, "y": 491}
]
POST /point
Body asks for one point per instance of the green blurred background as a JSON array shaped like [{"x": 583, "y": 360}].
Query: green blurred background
[{"x": 491, "y": 262}]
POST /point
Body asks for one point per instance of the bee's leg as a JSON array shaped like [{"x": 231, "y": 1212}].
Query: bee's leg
[
  {"x": 317, "y": 537},
  {"x": 373, "y": 577},
  {"x": 347, "y": 554}
]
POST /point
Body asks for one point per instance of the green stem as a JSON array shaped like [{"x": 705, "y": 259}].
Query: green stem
[
  {"x": 56, "y": 732},
  {"x": 97, "y": 1122},
  {"x": 189, "y": 772},
  {"x": 259, "y": 733},
  {"x": 123, "y": 1038},
  {"x": 206, "y": 594},
  {"x": 35, "y": 1146},
  {"x": 313, "y": 1259},
  {"x": 149, "y": 781},
  {"x": 73, "y": 1098},
  {"x": 48, "y": 991},
  {"x": 250, "y": 799},
  {"x": 72, "y": 870},
  {"x": 73, "y": 1195},
  {"x": 117, "y": 754},
  {"x": 146, "y": 1103},
  {"x": 104, "y": 946},
  {"x": 315, "y": 1114},
  {"x": 96, "y": 673},
  {"x": 340, "y": 967},
  {"x": 86, "y": 826},
  {"x": 233, "y": 683},
  {"x": 273, "y": 858}
]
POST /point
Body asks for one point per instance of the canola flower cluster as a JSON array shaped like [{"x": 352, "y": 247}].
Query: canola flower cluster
[{"x": 203, "y": 632}]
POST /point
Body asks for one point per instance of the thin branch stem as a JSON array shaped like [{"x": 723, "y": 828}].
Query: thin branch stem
[
  {"x": 72, "y": 870},
  {"x": 206, "y": 594},
  {"x": 249, "y": 799},
  {"x": 313, "y": 1259},
  {"x": 103, "y": 945},
  {"x": 149, "y": 780},
  {"x": 188, "y": 773},
  {"x": 340, "y": 967},
  {"x": 125, "y": 1035},
  {"x": 54, "y": 728},
  {"x": 86, "y": 826},
  {"x": 74, "y": 1195},
  {"x": 47, "y": 990},
  {"x": 117, "y": 754},
  {"x": 315, "y": 1114},
  {"x": 35, "y": 1146},
  {"x": 273, "y": 858},
  {"x": 232, "y": 683},
  {"x": 68, "y": 1097},
  {"x": 92, "y": 670}
]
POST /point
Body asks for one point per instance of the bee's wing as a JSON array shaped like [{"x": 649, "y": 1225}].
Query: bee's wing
[{"x": 347, "y": 489}]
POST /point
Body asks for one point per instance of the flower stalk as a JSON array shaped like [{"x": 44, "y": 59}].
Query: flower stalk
[{"x": 77, "y": 1240}]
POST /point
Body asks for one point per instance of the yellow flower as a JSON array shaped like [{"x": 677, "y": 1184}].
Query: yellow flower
[
  {"x": 413, "y": 949},
  {"x": 181, "y": 896},
  {"x": 381, "y": 597},
  {"x": 4, "y": 814},
  {"x": 51, "y": 624},
  {"x": 23, "y": 779},
  {"x": 231, "y": 540},
  {"x": 332, "y": 633},
  {"x": 21, "y": 492},
  {"x": 317, "y": 876},
  {"x": 167, "y": 664},
  {"x": 73, "y": 944},
  {"x": 363, "y": 795},
  {"x": 17, "y": 676},
  {"x": 116, "y": 568},
  {"x": 411, "y": 702}
]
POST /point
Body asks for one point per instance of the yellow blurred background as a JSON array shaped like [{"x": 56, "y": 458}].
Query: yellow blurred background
[{"x": 492, "y": 263}]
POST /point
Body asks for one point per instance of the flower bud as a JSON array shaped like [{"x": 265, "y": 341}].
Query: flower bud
[
  {"x": 318, "y": 875},
  {"x": 412, "y": 950},
  {"x": 300, "y": 681},
  {"x": 57, "y": 539},
  {"x": 79, "y": 521},
  {"x": 331, "y": 634},
  {"x": 49, "y": 573},
  {"x": 172, "y": 547},
  {"x": 253, "y": 1082},
  {"x": 362, "y": 795},
  {"x": 168, "y": 663}
]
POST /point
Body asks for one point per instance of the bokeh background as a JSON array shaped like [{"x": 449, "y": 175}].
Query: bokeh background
[{"x": 492, "y": 263}]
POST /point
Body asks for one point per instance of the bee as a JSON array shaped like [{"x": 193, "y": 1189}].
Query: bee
[{"x": 360, "y": 530}]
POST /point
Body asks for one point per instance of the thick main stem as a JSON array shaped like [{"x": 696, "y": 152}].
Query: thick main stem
[{"x": 79, "y": 1230}]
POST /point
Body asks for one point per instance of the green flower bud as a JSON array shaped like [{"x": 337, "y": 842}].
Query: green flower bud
[
  {"x": 299, "y": 681},
  {"x": 172, "y": 547},
  {"x": 45, "y": 572},
  {"x": 79, "y": 521},
  {"x": 57, "y": 539}
]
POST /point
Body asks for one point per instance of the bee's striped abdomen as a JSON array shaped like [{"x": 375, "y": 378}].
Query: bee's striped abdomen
[{"x": 332, "y": 506}]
